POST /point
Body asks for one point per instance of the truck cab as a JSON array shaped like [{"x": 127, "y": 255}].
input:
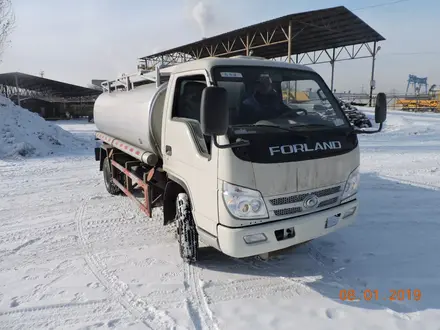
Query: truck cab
[{"x": 258, "y": 155}]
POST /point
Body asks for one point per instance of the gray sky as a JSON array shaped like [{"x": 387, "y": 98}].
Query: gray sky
[{"x": 76, "y": 41}]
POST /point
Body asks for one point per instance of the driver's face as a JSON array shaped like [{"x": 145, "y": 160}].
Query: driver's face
[{"x": 265, "y": 86}]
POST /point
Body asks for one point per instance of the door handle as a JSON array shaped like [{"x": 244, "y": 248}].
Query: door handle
[{"x": 168, "y": 150}]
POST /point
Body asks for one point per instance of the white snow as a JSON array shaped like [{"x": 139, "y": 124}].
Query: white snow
[
  {"x": 74, "y": 257},
  {"x": 24, "y": 133}
]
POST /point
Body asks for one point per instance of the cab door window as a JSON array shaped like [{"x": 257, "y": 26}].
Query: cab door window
[{"x": 187, "y": 108}]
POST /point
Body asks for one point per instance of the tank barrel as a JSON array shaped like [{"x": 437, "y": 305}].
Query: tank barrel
[{"x": 134, "y": 118}]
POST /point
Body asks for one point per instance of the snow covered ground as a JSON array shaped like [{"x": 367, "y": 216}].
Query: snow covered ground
[{"x": 74, "y": 257}]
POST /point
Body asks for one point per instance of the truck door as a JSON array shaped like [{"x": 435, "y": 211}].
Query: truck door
[{"x": 187, "y": 153}]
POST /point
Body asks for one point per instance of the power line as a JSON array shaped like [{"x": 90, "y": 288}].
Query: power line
[{"x": 381, "y": 5}]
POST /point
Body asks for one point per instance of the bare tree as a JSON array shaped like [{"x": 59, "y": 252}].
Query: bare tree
[{"x": 7, "y": 23}]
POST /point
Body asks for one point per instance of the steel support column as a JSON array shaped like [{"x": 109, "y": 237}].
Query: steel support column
[
  {"x": 372, "y": 75},
  {"x": 289, "y": 52},
  {"x": 332, "y": 62},
  {"x": 296, "y": 81},
  {"x": 289, "y": 42}
]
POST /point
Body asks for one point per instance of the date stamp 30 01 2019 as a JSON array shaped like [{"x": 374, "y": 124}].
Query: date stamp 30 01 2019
[{"x": 392, "y": 294}]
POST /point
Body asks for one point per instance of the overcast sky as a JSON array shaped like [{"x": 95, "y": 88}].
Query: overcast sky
[{"x": 76, "y": 41}]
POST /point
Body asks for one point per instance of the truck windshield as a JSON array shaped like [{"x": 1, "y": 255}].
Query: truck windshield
[{"x": 278, "y": 97}]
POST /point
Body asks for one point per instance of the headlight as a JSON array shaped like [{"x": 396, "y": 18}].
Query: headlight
[
  {"x": 351, "y": 187},
  {"x": 244, "y": 203}
]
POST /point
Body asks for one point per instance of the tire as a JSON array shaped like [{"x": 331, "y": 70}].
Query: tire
[
  {"x": 187, "y": 235},
  {"x": 109, "y": 184}
]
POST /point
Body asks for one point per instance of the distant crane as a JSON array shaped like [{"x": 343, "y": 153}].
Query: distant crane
[{"x": 417, "y": 84}]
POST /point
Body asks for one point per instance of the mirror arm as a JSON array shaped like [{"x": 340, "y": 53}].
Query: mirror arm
[
  {"x": 239, "y": 143},
  {"x": 360, "y": 131}
]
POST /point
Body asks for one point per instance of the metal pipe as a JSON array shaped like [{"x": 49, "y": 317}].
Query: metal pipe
[
  {"x": 142, "y": 155},
  {"x": 372, "y": 75}
]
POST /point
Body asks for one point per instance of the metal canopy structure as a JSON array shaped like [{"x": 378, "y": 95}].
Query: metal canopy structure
[
  {"x": 314, "y": 37},
  {"x": 23, "y": 85}
]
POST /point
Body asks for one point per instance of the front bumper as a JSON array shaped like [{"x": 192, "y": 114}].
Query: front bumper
[{"x": 231, "y": 240}]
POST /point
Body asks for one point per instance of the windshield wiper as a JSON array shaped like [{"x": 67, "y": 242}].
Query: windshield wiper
[
  {"x": 312, "y": 125},
  {"x": 293, "y": 128},
  {"x": 263, "y": 125}
]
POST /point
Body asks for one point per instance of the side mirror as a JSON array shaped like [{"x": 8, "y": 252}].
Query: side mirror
[
  {"x": 214, "y": 115},
  {"x": 380, "y": 112}
]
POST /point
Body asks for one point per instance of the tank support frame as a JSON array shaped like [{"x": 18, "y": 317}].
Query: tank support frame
[{"x": 142, "y": 183}]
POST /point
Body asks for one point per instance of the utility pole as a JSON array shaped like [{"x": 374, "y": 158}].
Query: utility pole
[{"x": 372, "y": 82}]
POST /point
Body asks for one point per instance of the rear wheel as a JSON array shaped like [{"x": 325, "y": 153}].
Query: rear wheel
[
  {"x": 187, "y": 235},
  {"x": 108, "y": 178}
]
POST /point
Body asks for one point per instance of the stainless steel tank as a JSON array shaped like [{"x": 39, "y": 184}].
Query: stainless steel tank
[{"x": 133, "y": 116}]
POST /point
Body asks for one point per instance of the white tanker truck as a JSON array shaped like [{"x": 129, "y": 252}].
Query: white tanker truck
[{"x": 244, "y": 154}]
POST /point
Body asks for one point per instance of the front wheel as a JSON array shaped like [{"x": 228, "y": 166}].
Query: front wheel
[{"x": 187, "y": 235}]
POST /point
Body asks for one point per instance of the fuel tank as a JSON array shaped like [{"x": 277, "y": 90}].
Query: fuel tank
[{"x": 133, "y": 116}]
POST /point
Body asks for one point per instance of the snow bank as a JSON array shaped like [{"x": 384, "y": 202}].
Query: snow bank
[{"x": 25, "y": 134}]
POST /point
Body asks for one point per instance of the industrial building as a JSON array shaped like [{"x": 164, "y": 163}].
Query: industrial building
[{"x": 50, "y": 98}]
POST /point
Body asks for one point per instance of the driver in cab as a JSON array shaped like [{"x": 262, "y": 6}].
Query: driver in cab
[{"x": 264, "y": 103}]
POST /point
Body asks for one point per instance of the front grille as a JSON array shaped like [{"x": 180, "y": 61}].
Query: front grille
[
  {"x": 293, "y": 204},
  {"x": 289, "y": 211},
  {"x": 301, "y": 197}
]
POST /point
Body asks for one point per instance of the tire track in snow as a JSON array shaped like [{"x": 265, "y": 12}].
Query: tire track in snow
[
  {"x": 58, "y": 315},
  {"x": 21, "y": 246},
  {"x": 25, "y": 234},
  {"x": 142, "y": 231},
  {"x": 197, "y": 305},
  {"x": 259, "y": 287},
  {"x": 337, "y": 280},
  {"x": 301, "y": 286},
  {"x": 250, "y": 288},
  {"x": 341, "y": 282},
  {"x": 58, "y": 307},
  {"x": 119, "y": 290},
  {"x": 255, "y": 287}
]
